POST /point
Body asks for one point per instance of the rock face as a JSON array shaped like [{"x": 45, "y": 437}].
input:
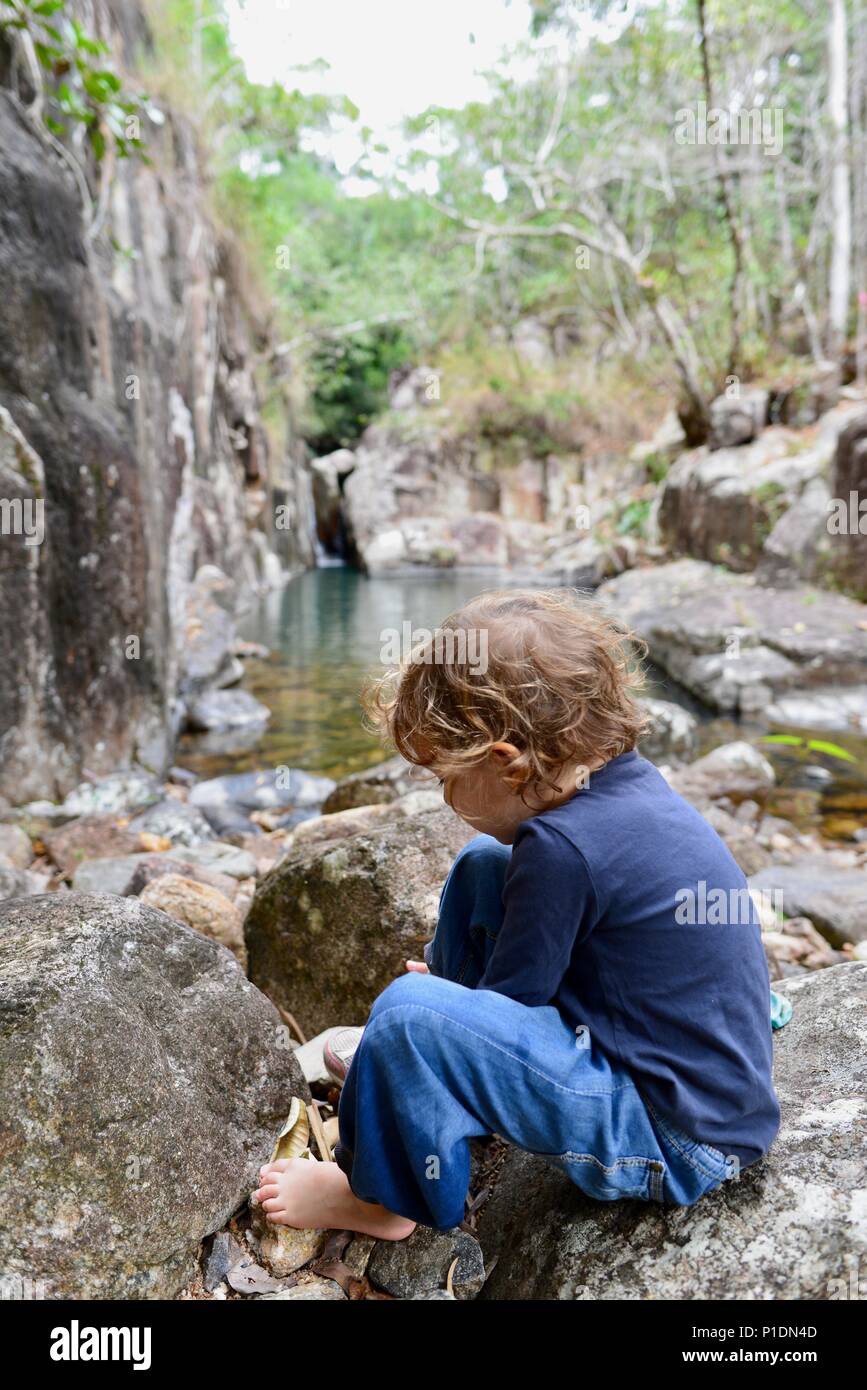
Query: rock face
[
  {"x": 128, "y": 413},
  {"x": 144, "y": 1082},
  {"x": 790, "y": 1227},
  {"x": 730, "y": 504},
  {"x": 416, "y": 492},
  {"x": 736, "y": 644},
  {"x": 331, "y": 926}
]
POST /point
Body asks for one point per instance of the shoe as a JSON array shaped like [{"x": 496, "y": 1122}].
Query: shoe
[{"x": 339, "y": 1050}]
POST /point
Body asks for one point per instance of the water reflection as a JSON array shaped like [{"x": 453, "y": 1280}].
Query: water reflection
[{"x": 325, "y": 633}]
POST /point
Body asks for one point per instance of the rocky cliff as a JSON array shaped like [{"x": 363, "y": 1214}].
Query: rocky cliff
[{"x": 131, "y": 450}]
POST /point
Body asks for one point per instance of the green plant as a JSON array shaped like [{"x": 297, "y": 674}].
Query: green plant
[
  {"x": 657, "y": 466},
  {"x": 82, "y": 89},
  {"x": 633, "y": 518}
]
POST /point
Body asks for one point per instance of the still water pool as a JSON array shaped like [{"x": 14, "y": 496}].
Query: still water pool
[{"x": 324, "y": 633}]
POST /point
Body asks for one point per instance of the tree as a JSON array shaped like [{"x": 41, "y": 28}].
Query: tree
[{"x": 841, "y": 216}]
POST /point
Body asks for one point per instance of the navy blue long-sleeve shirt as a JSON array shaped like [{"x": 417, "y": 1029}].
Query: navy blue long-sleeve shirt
[{"x": 625, "y": 910}]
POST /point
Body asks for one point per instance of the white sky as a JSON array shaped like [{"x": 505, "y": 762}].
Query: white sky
[{"x": 393, "y": 58}]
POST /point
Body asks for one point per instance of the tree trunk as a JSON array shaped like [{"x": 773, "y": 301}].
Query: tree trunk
[{"x": 841, "y": 218}]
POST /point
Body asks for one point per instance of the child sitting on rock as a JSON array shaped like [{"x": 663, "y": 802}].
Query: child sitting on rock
[{"x": 567, "y": 1002}]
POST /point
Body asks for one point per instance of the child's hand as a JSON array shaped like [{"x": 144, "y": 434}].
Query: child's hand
[{"x": 418, "y": 966}]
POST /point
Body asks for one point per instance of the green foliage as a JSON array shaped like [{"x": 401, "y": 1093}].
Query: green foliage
[
  {"x": 612, "y": 172},
  {"x": 83, "y": 89},
  {"x": 350, "y": 382},
  {"x": 633, "y": 518}
]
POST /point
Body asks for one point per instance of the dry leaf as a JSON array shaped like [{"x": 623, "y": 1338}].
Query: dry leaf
[{"x": 294, "y": 1137}]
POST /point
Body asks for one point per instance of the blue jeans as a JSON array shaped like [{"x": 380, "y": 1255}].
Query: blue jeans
[{"x": 441, "y": 1061}]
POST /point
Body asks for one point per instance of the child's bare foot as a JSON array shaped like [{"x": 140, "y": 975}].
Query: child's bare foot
[{"x": 316, "y": 1196}]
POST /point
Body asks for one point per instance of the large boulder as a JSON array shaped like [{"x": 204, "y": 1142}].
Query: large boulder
[
  {"x": 144, "y": 1082},
  {"x": 199, "y": 906},
  {"x": 763, "y": 503},
  {"x": 332, "y": 925},
  {"x": 832, "y": 894},
  {"x": 736, "y": 644},
  {"x": 374, "y": 786},
  {"x": 790, "y": 1227},
  {"x": 734, "y": 771},
  {"x": 739, "y": 418}
]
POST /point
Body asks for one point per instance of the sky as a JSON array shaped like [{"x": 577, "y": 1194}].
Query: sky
[{"x": 393, "y": 58}]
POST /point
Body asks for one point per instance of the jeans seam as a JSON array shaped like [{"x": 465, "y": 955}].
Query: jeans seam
[
  {"x": 655, "y": 1170},
  {"x": 672, "y": 1139},
  {"x": 424, "y": 1008}
]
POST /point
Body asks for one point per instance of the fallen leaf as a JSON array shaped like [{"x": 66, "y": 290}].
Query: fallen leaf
[{"x": 294, "y": 1137}]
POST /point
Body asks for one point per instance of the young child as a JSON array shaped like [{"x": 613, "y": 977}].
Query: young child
[{"x": 568, "y": 1003}]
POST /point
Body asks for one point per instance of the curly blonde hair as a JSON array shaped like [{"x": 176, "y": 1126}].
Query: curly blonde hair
[{"x": 559, "y": 682}]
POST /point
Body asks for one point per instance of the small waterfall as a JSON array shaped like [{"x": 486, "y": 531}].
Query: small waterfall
[{"x": 321, "y": 557}]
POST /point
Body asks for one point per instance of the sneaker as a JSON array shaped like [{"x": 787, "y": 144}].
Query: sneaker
[{"x": 339, "y": 1050}]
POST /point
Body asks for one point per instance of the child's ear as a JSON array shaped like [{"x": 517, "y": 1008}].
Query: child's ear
[{"x": 506, "y": 756}]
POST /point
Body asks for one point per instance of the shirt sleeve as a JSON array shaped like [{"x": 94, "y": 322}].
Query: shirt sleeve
[{"x": 549, "y": 903}]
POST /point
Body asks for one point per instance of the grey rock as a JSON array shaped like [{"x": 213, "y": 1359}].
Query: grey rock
[
  {"x": 799, "y": 546},
  {"x": 311, "y": 1290},
  {"x": 791, "y": 1226},
  {"x": 128, "y": 510},
  {"x": 374, "y": 893},
  {"x": 153, "y": 866},
  {"x": 217, "y": 855},
  {"x": 15, "y": 846},
  {"x": 112, "y": 874},
  {"x": 117, "y": 793},
  {"x": 674, "y": 734},
  {"x": 843, "y": 709},
  {"x": 120, "y": 873},
  {"x": 833, "y": 897},
  {"x": 224, "y": 1254},
  {"x": 18, "y": 883},
  {"x": 226, "y": 709},
  {"x": 736, "y": 644},
  {"x": 260, "y": 791},
  {"x": 737, "y": 420},
  {"x": 418, "y": 1266},
  {"x": 374, "y": 786},
  {"x": 182, "y": 776},
  {"x": 144, "y": 1082},
  {"x": 734, "y": 771},
  {"x": 227, "y": 820},
  {"x": 210, "y": 629},
  {"x": 328, "y": 476},
  {"x": 182, "y": 824}
]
